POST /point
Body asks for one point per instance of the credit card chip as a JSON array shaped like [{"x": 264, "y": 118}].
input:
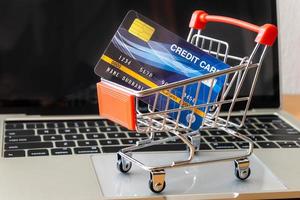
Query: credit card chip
[{"x": 141, "y": 30}]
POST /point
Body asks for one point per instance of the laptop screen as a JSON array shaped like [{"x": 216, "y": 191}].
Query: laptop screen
[{"x": 48, "y": 49}]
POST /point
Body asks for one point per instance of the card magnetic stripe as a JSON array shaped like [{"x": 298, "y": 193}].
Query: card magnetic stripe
[{"x": 147, "y": 82}]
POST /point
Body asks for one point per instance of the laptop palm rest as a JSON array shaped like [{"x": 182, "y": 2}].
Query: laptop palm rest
[{"x": 208, "y": 179}]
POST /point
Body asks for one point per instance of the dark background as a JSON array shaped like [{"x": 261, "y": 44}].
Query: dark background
[{"x": 48, "y": 48}]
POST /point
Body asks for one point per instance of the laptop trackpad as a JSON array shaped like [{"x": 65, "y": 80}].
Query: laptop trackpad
[{"x": 205, "y": 179}]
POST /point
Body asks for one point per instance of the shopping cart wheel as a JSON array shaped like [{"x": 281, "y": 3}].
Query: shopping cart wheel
[
  {"x": 157, "y": 181},
  {"x": 123, "y": 165},
  {"x": 242, "y": 169}
]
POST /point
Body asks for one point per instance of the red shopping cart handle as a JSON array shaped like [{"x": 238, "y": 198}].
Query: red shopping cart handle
[{"x": 267, "y": 33}]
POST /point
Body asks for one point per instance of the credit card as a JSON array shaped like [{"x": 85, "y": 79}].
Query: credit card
[{"x": 142, "y": 54}]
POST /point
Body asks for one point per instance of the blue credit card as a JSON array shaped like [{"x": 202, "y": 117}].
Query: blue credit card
[{"x": 142, "y": 54}]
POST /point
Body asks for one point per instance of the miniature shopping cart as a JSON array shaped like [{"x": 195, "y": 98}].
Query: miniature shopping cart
[{"x": 122, "y": 105}]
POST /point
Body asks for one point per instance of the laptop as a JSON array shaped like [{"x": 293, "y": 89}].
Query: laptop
[{"x": 49, "y": 124}]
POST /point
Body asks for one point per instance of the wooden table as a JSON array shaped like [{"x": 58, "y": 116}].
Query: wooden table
[{"x": 291, "y": 104}]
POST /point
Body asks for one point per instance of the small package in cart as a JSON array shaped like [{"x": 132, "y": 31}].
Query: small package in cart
[{"x": 143, "y": 54}]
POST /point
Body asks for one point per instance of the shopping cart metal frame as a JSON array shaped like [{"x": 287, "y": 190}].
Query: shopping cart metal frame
[{"x": 153, "y": 120}]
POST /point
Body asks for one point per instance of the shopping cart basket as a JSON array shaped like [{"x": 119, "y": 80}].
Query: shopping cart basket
[{"x": 121, "y": 104}]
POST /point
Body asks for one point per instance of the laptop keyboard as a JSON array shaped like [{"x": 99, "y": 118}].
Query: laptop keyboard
[{"x": 54, "y": 138}]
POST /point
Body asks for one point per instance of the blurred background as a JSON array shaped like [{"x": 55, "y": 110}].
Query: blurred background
[
  {"x": 289, "y": 43},
  {"x": 48, "y": 48}
]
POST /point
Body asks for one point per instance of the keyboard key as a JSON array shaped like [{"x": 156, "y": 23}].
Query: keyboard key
[
  {"x": 264, "y": 126},
  {"x": 223, "y": 145},
  {"x": 116, "y": 135},
  {"x": 267, "y": 145},
  {"x": 52, "y": 137},
  {"x": 238, "y": 119},
  {"x": 86, "y": 150},
  {"x": 269, "y": 119},
  {"x": 165, "y": 147},
  {"x": 61, "y": 151},
  {"x": 234, "y": 120},
  {"x": 256, "y": 138},
  {"x": 110, "y": 123},
  {"x": 108, "y": 129},
  {"x": 214, "y": 139},
  {"x": 243, "y": 132},
  {"x": 29, "y": 145},
  {"x": 39, "y": 125},
  {"x": 55, "y": 125},
  {"x": 38, "y": 152},
  {"x": 11, "y": 139},
  {"x": 88, "y": 130},
  {"x": 161, "y": 134},
  {"x": 32, "y": 126},
  {"x": 204, "y": 146},
  {"x": 129, "y": 141},
  {"x": 282, "y": 125},
  {"x": 288, "y": 144},
  {"x": 250, "y": 120},
  {"x": 112, "y": 149},
  {"x": 217, "y": 133},
  {"x": 232, "y": 139},
  {"x": 177, "y": 141},
  {"x": 90, "y": 123},
  {"x": 72, "y": 124},
  {"x": 87, "y": 143},
  {"x": 158, "y": 138},
  {"x": 74, "y": 137},
  {"x": 248, "y": 126},
  {"x": 99, "y": 123},
  {"x": 283, "y": 131},
  {"x": 257, "y": 132},
  {"x": 95, "y": 136},
  {"x": 283, "y": 137},
  {"x": 203, "y": 133},
  {"x": 245, "y": 145},
  {"x": 109, "y": 142},
  {"x": 11, "y": 125},
  {"x": 137, "y": 135},
  {"x": 67, "y": 131},
  {"x": 65, "y": 144},
  {"x": 19, "y": 132},
  {"x": 46, "y": 131},
  {"x": 123, "y": 128},
  {"x": 18, "y": 153}
]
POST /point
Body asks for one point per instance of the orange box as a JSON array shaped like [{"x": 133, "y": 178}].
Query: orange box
[{"x": 116, "y": 105}]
